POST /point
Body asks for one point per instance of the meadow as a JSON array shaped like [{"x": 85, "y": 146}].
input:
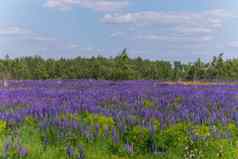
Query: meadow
[{"x": 99, "y": 119}]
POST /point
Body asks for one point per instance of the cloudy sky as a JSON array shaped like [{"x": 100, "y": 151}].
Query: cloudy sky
[{"x": 154, "y": 29}]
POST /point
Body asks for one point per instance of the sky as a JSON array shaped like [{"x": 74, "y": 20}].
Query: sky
[{"x": 153, "y": 29}]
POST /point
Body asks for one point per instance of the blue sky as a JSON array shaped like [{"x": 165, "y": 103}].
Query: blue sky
[{"x": 153, "y": 29}]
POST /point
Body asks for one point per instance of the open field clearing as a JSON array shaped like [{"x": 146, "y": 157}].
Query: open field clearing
[
  {"x": 79, "y": 119},
  {"x": 118, "y": 79}
]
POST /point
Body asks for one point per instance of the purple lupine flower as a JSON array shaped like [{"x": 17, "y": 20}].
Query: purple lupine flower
[
  {"x": 23, "y": 152},
  {"x": 97, "y": 127},
  {"x": 45, "y": 141},
  {"x": 81, "y": 152},
  {"x": 70, "y": 151},
  {"x": 106, "y": 131},
  {"x": 129, "y": 148},
  {"x": 115, "y": 137},
  {"x": 6, "y": 148}
]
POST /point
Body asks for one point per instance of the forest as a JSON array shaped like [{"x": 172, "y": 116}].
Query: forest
[{"x": 121, "y": 67}]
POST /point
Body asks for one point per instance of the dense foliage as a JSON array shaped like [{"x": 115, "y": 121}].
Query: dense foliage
[
  {"x": 89, "y": 119},
  {"x": 119, "y": 68}
]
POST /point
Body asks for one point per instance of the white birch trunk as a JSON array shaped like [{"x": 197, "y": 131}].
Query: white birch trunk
[{"x": 5, "y": 83}]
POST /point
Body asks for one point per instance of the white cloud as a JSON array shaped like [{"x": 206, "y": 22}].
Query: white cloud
[
  {"x": 159, "y": 17},
  {"x": 42, "y": 38},
  {"x": 62, "y": 4},
  {"x": 192, "y": 30},
  {"x": 117, "y": 34},
  {"x": 176, "y": 39},
  {"x": 233, "y": 44},
  {"x": 16, "y": 32},
  {"x": 205, "y": 21},
  {"x": 75, "y": 45},
  {"x": 98, "y": 5},
  {"x": 13, "y": 30},
  {"x": 172, "y": 29}
]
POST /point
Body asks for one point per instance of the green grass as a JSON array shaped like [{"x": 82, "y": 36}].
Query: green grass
[
  {"x": 173, "y": 142},
  {"x": 31, "y": 140}
]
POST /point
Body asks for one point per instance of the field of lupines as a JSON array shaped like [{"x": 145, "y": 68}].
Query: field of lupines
[{"x": 89, "y": 119}]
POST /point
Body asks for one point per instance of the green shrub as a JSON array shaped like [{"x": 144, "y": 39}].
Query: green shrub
[
  {"x": 173, "y": 139},
  {"x": 138, "y": 137},
  {"x": 201, "y": 131},
  {"x": 148, "y": 103}
]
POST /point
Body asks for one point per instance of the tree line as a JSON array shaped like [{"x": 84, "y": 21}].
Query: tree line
[{"x": 120, "y": 67}]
